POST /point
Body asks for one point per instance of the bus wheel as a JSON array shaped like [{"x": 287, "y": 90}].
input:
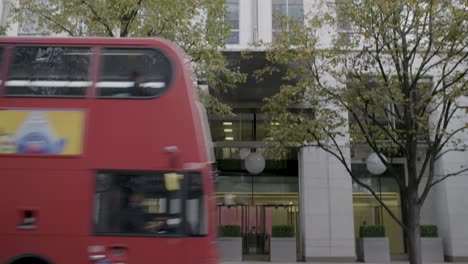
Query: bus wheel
[{"x": 30, "y": 260}]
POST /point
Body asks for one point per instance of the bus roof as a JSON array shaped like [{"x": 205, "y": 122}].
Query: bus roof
[{"x": 93, "y": 41}]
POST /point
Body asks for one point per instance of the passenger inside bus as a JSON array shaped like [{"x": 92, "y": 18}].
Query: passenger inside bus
[
  {"x": 141, "y": 204},
  {"x": 132, "y": 218},
  {"x": 137, "y": 89}
]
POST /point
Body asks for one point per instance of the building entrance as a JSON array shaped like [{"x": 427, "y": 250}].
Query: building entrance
[{"x": 257, "y": 223}]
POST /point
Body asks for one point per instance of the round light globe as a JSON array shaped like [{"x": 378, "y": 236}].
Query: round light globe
[
  {"x": 243, "y": 153},
  {"x": 254, "y": 163},
  {"x": 374, "y": 165}
]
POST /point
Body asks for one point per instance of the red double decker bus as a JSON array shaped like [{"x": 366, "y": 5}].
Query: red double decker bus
[{"x": 105, "y": 154}]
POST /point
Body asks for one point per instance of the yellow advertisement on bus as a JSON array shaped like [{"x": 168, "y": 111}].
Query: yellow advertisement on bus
[{"x": 50, "y": 132}]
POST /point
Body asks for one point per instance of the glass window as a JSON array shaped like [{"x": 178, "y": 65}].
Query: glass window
[
  {"x": 279, "y": 9},
  {"x": 49, "y": 71},
  {"x": 237, "y": 128},
  {"x": 342, "y": 18},
  {"x": 133, "y": 72},
  {"x": 284, "y": 12},
  {"x": 246, "y": 126},
  {"x": 232, "y": 19},
  {"x": 139, "y": 203},
  {"x": 367, "y": 210},
  {"x": 1, "y": 63}
]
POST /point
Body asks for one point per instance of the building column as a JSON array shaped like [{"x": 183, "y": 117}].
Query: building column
[
  {"x": 326, "y": 208},
  {"x": 451, "y": 204}
]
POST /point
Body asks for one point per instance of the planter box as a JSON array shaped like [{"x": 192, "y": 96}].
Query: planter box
[
  {"x": 283, "y": 249},
  {"x": 373, "y": 249},
  {"x": 432, "y": 249},
  {"x": 230, "y": 248}
]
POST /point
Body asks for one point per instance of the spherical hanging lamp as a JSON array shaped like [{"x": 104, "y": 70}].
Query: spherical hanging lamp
[
  {"x": 255, "y": 163},
  {"x": 374, "y": 165}
]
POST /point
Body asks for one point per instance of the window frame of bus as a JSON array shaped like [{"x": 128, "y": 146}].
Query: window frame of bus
[
  {"x": 202, "y": 208},
  {"x": 170, "y": 82},
  {"x": 182, "y": 228},
  {"x": 3, "y": 69},
  {"x": 11, "y": 57}
]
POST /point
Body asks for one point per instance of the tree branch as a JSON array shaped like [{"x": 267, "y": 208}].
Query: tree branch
[
  {"x": 463, "y": 149},
  {"x": 340, "y": 156},
  {"x": 425, "y": 163},
  {"x": 447, "y": 176},
  {"x": 51, "y": 20},
  {"x": 98, "y": 18},
  {"x": 427, "y": 188},
  {"x": 373, "y": 119},
  {"x": 446, "y": 140},
  {"x": 128, "y": 19}
]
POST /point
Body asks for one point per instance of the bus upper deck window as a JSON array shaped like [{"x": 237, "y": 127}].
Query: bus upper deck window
[
  {"x": 133, "y": 73},
  {"x": 49, "y": 71}
]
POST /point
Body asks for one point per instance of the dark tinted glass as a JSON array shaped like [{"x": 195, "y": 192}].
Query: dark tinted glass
[
  {"x": 49, "y": 72},
  {"x": 138, "y": 203},
  {"x": 133, "y": 72}
]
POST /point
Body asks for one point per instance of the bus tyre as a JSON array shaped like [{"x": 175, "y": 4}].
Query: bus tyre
[{"x": 30, "y": 260}]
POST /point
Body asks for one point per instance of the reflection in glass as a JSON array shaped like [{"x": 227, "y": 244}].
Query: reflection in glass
[
  {"x": 246, "y": 126},
  {"x": 367, "y": 210},
  {"x": 232, "y": 20},
  {"x": 133, "y": 72},
  {"x": 49, "y": 71},
  {"x": 285, "y": 10}
]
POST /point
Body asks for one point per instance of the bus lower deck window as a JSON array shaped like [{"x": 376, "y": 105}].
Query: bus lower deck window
[{"x": 136, "y": 203}]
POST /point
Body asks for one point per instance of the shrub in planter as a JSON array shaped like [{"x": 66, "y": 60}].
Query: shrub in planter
[
  {"x": 431, "y": 244},
  {"x": 372, "y": 231},
  {"x": 372, "y": 245},
  {"x": 230, "y": 243},
  {"x": 429, "y": 231},
  {"x": 282, "y": 231},
  {"x": 229, "y": 231},
  {"x": 282, "y": 244}
]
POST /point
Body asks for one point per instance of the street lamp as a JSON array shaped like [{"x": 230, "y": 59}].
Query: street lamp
[
  {"x": 375, "y": 165},
  {"x": 255, "y": 163}
]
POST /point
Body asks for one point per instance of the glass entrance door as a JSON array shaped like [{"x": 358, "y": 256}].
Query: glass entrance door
[
  {"x": 256, "y": 223},
  {"x": 253, "y": 221}
]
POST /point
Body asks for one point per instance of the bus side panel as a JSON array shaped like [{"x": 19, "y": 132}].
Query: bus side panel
[
  {"x": 203, "y": 249},
  {"x": 60, "y": 200},
  {"x": 146, "y": 250},
  {"x": 59, "y": 206}
]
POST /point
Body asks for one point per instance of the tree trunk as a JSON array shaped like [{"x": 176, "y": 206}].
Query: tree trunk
[{"x": 413, "y": 232}]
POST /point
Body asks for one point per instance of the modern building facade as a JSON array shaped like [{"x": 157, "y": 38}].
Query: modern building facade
[
  {"x": 306, "y": 188},
  {"x": 309, "y": 188}
]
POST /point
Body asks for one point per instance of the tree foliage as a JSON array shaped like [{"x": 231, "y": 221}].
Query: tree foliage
[
  {"x": 393, "y": 75},
  {"x": 197, "y": 26}
]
